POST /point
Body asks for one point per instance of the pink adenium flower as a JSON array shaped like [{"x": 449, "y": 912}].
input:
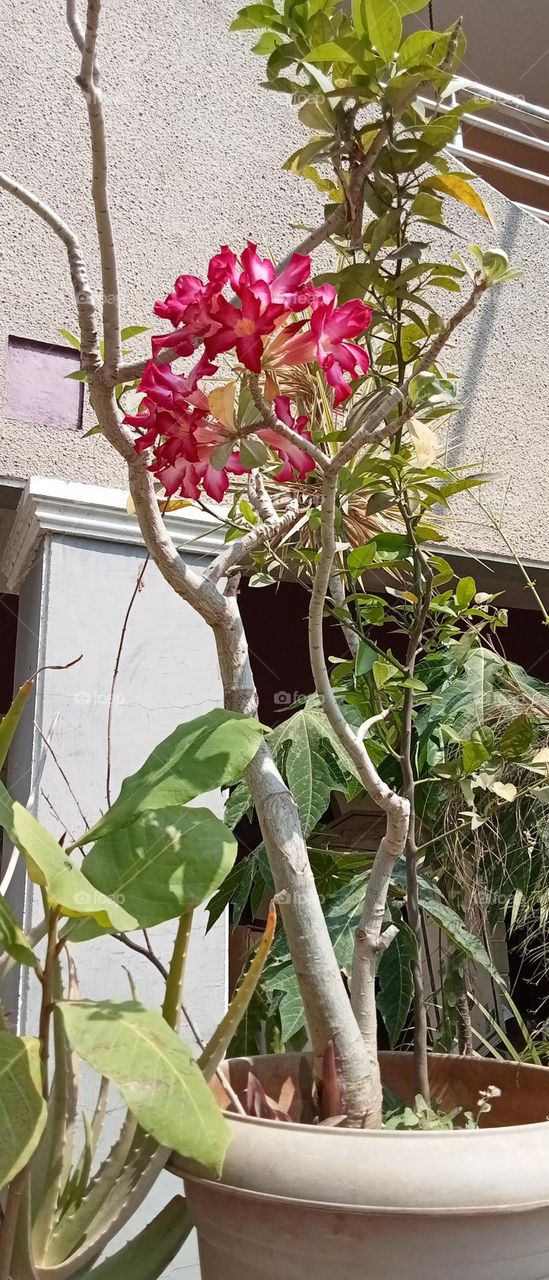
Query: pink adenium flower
[
  {"x": 327, "y": 342},
  {"x": 272, "y": 320}
]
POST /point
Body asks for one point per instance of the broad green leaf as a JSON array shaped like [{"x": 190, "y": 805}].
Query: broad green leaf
[
  {"x": 253, "y": 453},
  {"x": 415, "y": 47},
  {"x": 473, "y": 754},
  {"x": 410, "y": 6},
  {"x": 47, "y": 865},
  {"x": 384, "y": 26},
  {"x": 465, "y": 592},
  {"x": 396, "y": 987},
  {"x": 516, "y": 738},
  {"x": 147, "y": 1256},
  {"x": 22, "y": 1108},
  {"x": 209, "y": 752},
  {"x": 452, "y": 184},
  {"x": 360, "y": 21},
  {"x": 163, "y": 865},
  {"x": 254, "y": 16},
  {"x": 454, "y": 928},
  {"x": 12, "y": 938},
  {"x": 154, "y": 1071}
]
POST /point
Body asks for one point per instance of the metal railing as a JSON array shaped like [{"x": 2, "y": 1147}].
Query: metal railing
[{"x": 526, "y": 141}]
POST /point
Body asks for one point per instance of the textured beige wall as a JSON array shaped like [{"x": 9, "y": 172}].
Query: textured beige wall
[{"x": 196, "y": 150}]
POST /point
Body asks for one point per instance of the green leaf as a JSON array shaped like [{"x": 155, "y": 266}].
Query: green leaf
[
  {"x": 132, "y": 330},
  {"x": 416, "y": 46},
  {"x": 384, "y": 26},
  {"x": 473, "y": 754},
  {"x": 219, "y": 456},
  {"x": 70, "y": 338},
  {"x": 360, "y": 21},
  {"x": 49, "y": 866},
  {"x": 516, "y": 738},
  {"x": 384, "y": 548},
  {"x": 77, "y": 375},
  {"x": 23, "y": 1111},
  {"x": 454, "y": 928},
  {"x": 465, "y": 592},
  {"x": 13, "y": 940},
  {"x": 253, "y": 453},
  {"x": 410, "y": 6},
  {"x": 365, "y": 658},
  {"x": 147, "y": 1256},
  {"x": 154, "y": 1071},
  {"x": 10, "y": 721},
  {"x": 396, "y": 987},
  {"x": 163, "y": 865},
  {"x": 209, "y": 752},
  {"x": 255, "y": 15}
]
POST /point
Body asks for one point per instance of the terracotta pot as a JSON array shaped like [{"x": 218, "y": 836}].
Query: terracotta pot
[{"x": 339, "y": 1204}]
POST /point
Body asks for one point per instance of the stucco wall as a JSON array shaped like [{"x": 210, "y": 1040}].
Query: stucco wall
[{"x": 196, "y": 150}]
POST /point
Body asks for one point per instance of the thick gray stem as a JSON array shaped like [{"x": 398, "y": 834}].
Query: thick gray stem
[{"x": 369, "y": 936}]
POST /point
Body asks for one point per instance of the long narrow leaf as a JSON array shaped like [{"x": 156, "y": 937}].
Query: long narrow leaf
[
  {"x": 216, "y": 1048},
  {"x": 147, "y": 1256}
]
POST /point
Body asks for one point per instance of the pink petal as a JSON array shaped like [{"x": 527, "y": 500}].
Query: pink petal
[
  {"x": 249, "y": 350},
  {"x": 294, "y": 276},
  {"x": 256, "y": 268}
]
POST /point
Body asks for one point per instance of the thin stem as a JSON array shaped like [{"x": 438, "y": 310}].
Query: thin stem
[
  {"x": 88, "y": 81},
  {"x": 85, "y": 304},
  {"x": 176, "y": 971},
  {"x": 423, "y": 579},
  {"x": 133, "y": 598},
  {"x": 47, "y": 979}
]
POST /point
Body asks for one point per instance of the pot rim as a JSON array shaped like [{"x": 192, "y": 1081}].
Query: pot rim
[{"x": 234, "y": 1117}]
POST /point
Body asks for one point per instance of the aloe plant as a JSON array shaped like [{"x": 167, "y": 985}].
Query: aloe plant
[{"x": 153, "y": 858}]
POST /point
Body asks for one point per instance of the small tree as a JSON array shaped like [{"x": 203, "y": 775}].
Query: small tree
[{"x": 306, "y": 403}]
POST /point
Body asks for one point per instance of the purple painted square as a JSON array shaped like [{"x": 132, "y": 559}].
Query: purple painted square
[{"x": 37, "y": 389}]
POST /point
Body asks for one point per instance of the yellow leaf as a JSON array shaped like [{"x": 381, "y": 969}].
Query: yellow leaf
[
  {"x": 221, "y": 401},
  {"x": 130, "y": 505},
  {"x": 424, "y": 441},
  {"x": 451, "y": 184},
  {"x": 175, "y": 504}
]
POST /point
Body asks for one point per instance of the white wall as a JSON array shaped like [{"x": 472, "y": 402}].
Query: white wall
[{"x": 73, "y": 602}]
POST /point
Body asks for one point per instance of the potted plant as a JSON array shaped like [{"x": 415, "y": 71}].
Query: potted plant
[{"x": 315, "y": 398}]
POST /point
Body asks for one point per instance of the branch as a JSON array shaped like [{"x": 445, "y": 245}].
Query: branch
[
  {"x": 259, "y": 497},
  {"x": 271, "y": 421},
  {"x": 239, "y": 551},
  {"x": 394, "y": 806},
  {"x": 88, "y": 82},
  {"x": 84, "y": 299}
]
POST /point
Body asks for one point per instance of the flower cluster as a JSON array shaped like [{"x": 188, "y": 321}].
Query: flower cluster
[{"x": 195, "y": 445}]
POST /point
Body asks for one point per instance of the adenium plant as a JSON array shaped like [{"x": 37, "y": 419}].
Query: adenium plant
[{"x": 314, "y": 398}]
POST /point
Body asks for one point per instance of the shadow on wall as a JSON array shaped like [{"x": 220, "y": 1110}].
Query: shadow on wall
[{"x": 473, "y": 377}]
